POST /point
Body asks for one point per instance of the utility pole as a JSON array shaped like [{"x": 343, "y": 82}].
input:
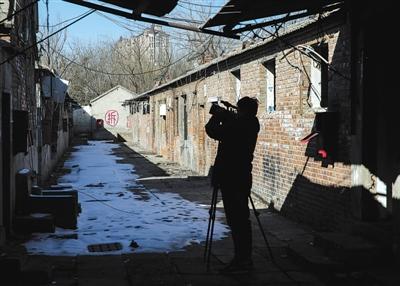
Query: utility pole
[{"x": 48, "y": 33}]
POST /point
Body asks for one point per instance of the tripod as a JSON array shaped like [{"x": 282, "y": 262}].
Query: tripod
[
  {"x": 210, "y": 228},
  {"x": 211, "y": 222}
]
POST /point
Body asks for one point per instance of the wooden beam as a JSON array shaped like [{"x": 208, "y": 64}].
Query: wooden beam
[
  {"x": 133, "y": 16},
  {"x": 251, "y": 27}
]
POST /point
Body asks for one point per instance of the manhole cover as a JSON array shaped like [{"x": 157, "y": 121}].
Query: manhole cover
[{"x": 104, "y": 247}]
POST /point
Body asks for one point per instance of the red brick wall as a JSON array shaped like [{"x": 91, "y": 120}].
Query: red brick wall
[{"x": 287, "y": 173}]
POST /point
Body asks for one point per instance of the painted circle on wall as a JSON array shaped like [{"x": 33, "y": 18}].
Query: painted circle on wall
[{"x": 111, "y": 118}]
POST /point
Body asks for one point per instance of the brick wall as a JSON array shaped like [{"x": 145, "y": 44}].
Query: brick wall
[
  {"x": 141, "y": 127},
  {"x": 20, "y": 75},
  {"x": 287, "y": 174}
]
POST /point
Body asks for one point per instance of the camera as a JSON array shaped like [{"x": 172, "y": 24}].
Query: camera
[{"x": 223, "y": 113}]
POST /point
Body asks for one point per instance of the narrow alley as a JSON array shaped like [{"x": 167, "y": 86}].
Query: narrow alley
[
  {"x": 129, "y": 195},
  {"x": 117, "y": 208},
  {"x": 199, "y": 142}
]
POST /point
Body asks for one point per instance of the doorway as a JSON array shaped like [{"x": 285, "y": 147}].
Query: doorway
[{"x": 6, "y": 162}]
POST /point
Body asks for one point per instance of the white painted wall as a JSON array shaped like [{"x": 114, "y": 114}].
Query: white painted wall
[{"x": 109, "y": 108}]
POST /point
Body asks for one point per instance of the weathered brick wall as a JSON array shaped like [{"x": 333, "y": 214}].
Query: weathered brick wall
[
  {"x": 287, "y": 174},
  {"x": 141, "y": 126},
  {"x": 23, "y": 66},
  {"x": 20, "y": 74}
]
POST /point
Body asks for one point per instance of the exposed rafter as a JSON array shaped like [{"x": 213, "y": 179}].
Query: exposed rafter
[
  {"x": 139, "y": 17},
  {"x": 251, "y": 27}
]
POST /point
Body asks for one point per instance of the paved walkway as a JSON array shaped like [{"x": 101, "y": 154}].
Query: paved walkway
[{"x": 186, "y": 267}]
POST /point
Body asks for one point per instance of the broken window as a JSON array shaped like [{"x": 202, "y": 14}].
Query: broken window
[
  {"x": 146, "y": 107},
  {"x": 236, "y": 75},
  {"x": 176, "y": 115},
  {"x": 185, "y": 117},
  {"x": 270, "y": 97},
  {"x": 319, "y": 77}
]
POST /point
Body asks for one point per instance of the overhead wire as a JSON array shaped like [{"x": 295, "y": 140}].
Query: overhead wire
[
  {"x": 121, "y": 74},
  {"x": 194, "y": 10},
  {"x": 125, "y": 26},
  {"x": 132, "y": 27},
  {"x": 64, "y": 21},
  {"x": 47, "y": 37},
  {"x": 183, "y": 20},
  {"x": 302, "y": 69},
  {"x": 277, "y": 37},
  {"x": 204, "y": 5}
]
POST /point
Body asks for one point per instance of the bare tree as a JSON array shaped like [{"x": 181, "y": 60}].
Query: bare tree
[{"x": 95, "y": 68}]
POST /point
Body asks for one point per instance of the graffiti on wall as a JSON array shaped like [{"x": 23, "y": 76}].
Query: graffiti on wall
[{"x": 112, "y": 117}]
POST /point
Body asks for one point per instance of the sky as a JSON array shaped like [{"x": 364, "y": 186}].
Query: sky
[
  {"x": 90, "y": 29},
  {"x": 97, "y": 27}
]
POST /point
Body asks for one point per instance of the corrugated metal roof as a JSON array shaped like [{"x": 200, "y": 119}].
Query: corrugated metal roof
[
  {"x": 153, "y": 7},
  {"x": 236, "y": 11}
]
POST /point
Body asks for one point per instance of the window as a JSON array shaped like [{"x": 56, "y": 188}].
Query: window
[
  {"x": 319, "y": 78},
  {"x": 236, "y": 74},
  {"x": 146, "y": 108},
  {"x": 185, "y": 118},
  {"x": 176, "y": 113},
  {"x": 162, "y": 110},
  {"x": 270, "y": 97}
]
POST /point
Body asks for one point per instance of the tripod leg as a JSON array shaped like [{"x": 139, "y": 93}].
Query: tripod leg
[
  {"x": 256, "y": 214},
  {"x": 211, "y": 210},
  {"x": 214, "y": 209}
]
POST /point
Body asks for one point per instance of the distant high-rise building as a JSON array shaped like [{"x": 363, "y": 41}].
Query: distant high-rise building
[
  {"x": 158, "y": 44},
  {"x": 153, "y": 44}
]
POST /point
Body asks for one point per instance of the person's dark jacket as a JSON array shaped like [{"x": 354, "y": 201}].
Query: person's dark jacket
[{"x": 237, "y": 140}]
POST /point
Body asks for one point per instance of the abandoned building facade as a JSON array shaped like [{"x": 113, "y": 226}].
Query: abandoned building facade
[
  {"x": 309, "y": 161},
  {"x": 35, "y": 113},
  {"x": 327, "y": 152}
]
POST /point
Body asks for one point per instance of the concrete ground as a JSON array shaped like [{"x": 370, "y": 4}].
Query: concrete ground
[{"x": 295, "y": 259}]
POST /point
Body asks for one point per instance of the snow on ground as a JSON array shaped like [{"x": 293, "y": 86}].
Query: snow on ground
[{"x": 115, "y": 208}]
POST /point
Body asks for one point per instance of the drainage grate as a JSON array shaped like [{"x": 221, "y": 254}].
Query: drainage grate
[{"x": 104, "y": 247}]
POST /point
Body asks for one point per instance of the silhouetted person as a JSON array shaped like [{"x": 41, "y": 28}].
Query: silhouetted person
[{"x": 237, "y": 136}]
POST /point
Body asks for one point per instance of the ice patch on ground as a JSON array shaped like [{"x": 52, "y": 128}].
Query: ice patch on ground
[{"x": 115, "y": 208}]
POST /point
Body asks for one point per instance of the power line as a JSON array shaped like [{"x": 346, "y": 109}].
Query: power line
[
  {"x": 119, "y": 23},
  {"x": 278, "y": 37},
  {"x": 120, "y": 74},
  {"x": 195, "y": 10},
  {"x": 183, "y": 20},
  {"x": 132, "y": 28},
  {"x": 204, "y": 5},
  {"x": 18, "y": 11},
  {"x": 64, "y": 21},
  {"x": 49, "y": 36}
]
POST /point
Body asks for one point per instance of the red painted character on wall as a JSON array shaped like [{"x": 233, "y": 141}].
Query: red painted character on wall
[{"x": 112, "y": 117}]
